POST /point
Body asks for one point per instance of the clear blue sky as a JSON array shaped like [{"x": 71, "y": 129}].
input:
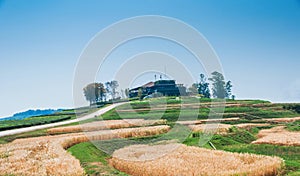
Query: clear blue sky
[{"x": 258, "y": 42}]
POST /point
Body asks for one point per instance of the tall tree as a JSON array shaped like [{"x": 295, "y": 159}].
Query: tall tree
[
  {"x": 111, "y": 88},
  {"x": 102, "y": 91},
  {"x": 107, "y": 88},
  {"x": 203, "y": 88},
  {"x": 218, "y": 84},
  {"x": 228, "y": 87},
  {"x": 127, "y": 92},
  {"x": 140, "y": 93},
  {"x": 94, "y": 92}
]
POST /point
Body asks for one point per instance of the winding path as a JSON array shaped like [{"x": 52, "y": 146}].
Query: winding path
[{"x": 38, "y": 127}]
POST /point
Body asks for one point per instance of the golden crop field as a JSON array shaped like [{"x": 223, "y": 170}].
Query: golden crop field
[
  {"x": 278, "y": 136},
  {"x": 105, "y": 124},
  {"x": 47, "y": 155},
  {"x": 178, "y": 159},
  {"x": 217, "y": 128},
  {"x": 223, "y": 128}
]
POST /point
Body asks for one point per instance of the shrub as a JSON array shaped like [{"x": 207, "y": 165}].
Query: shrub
[{"x": 294, "y": 107}]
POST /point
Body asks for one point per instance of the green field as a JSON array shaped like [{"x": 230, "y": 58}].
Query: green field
[
  {"x": 32, "y": 121},
  {"x": 93, "y": 160},
  {"x": 247, "y": 110},
  {"x": 294, "y": 126}
]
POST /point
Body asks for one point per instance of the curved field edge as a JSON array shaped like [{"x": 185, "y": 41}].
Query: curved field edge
[
  {"x": 47, "y": 155},
  {"x": 179, "y": 159}
]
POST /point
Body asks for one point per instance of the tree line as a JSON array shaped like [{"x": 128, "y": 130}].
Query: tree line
[
  {"x": 220, "y": 88},
  {"x": 99, "y": 92}
]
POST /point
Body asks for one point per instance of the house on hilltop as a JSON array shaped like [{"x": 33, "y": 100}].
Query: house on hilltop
[{"x": 165, "y": 87}]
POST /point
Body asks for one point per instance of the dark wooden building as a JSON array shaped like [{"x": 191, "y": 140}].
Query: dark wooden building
[{"x": 165, "y": 87}]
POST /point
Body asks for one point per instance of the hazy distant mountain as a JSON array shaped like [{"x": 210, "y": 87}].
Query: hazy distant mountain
[{"x": 30, "y": 113}]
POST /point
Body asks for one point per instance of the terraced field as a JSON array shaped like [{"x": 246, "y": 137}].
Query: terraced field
[
  {"x": 46, "y": 155},
  {"x": 155, "y": 122}
]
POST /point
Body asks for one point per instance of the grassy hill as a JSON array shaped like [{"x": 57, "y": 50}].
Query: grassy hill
[
  {"x": 237, "y": 140},
  {"x": 58, "y": 116},
  {"x": 95, "y": 162}
]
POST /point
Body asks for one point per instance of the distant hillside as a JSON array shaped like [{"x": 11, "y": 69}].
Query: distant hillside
[{"x": 30, "y": 113}]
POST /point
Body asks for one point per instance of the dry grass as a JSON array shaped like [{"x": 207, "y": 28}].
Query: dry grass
[
  {"x": 278, "y": 136},
  {"x": 211, "y": 128},
  {"x": 38, "y": 156},
  {"x": 47, "y": 156},
  {"x": 280, "y": 120},
  {"x": 178, "y": 159},
  {"x": 223, "y": 128},
  {"x": 117, "y": 133},
  {"x": 105, "y": 124}
]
